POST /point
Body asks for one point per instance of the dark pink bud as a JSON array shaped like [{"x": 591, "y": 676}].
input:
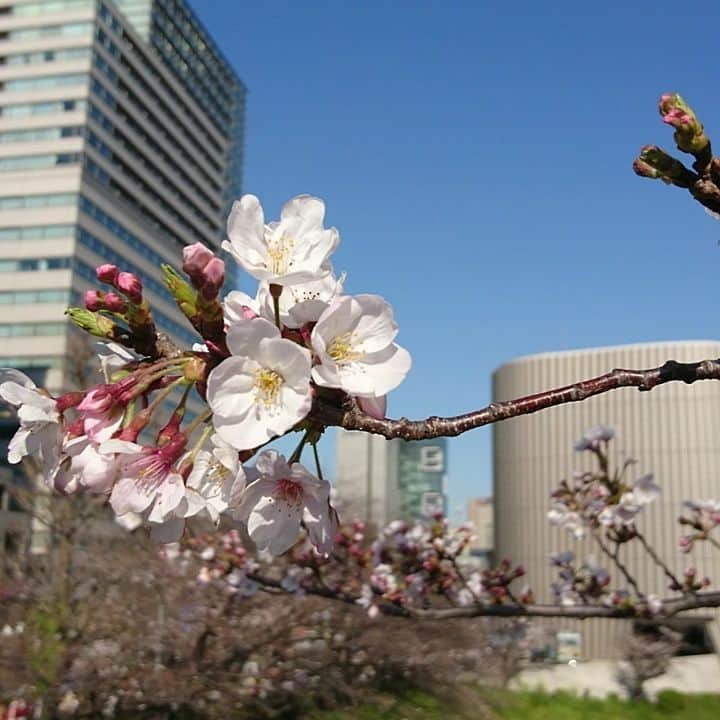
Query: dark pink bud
[
  {"x": 195, "y": 259},
  {"x": 130, "y": 285},
  {"x": 68, "y": 400},
  {"x": 93, "y": 300},
  {"x": 114, "y": 303},
  {"x": 106, "y": 273}
]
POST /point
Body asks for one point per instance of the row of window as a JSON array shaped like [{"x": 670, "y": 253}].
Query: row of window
[
  {"x": 100, "y": 91},
  {"x": 50, "y": 6},
  {"x": 35, "y": 264},
  {"x": 172, "y": 113},
  {"x": 64, "y": 30},
  {"x": 31, "y": 58},
  {"x": 35, "y": 162},
  {"x": 121, "y": 232},
  {"x": 33, "y": 134},
  {"x": 42, "y": 108},
  {"x": 19, "y": 202},
  {"x": 180, "y": 107},
  {"x": 146, "y": 189},
  {"x": 43, "y": 82},
  {"x": 131, "y": 150},
  {"x": 157, "y": 150},
  {"x": 24, "y": 297},
  {"x": 32, "y": 329},
  {"x": 38, "y": 232}
]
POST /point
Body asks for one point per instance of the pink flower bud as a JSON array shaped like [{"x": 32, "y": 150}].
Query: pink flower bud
[
  {"x": 106, "y": 273},
  {"x": 213, "y": 278},
  {"x": 130, "y": 285},
  {"x": 195, "y": 259},
  {"x": 93, "y": 300},
  {"x": 114, "y": 303}
]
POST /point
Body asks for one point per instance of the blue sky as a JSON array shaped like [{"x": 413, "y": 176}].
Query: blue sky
[{"x": 475, "y": 157}]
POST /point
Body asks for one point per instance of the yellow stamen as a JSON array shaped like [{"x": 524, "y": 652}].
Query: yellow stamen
[
  {"x": 267, "y": 386},
  {"x": 342, "y": 349},
  {"x": 279, "y": 253}
]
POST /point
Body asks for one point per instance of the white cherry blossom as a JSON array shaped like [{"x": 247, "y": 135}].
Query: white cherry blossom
[
  {"x": 283, "y": 496},
  {"x": 263, "y": 389},
  {"x": 293, "y": 250},
  {"x": 40, "y": 422},
  {"x": 298, "y": 304},
  {"x": 215, "y": 482},
  {"x": 353, "y": 339}
]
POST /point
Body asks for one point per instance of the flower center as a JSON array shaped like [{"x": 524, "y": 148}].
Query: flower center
[
  {"x": 217, "y": 473},
  {"x": 289, "y": 491},
  {"x": 279, "y": 253},
  {"x": 343, "y": 349},
  {"x": 267, "y": 386}
]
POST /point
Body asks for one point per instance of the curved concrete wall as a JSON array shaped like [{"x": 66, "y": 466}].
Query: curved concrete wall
[{"x": 673, "y": 431}]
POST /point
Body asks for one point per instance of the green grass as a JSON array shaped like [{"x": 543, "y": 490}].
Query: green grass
[{"x": 503, "y": 705}]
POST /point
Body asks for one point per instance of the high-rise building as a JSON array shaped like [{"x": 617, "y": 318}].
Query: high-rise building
[
  {"x": 381, "y": 480},
  {"x": 673, "y": 432},
  {"x": 121, "y": 141},
  {"x": 121, "y": 128}
]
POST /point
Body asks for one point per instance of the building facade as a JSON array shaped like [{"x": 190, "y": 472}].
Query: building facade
[
  {"x": 121, "y": 141},
  {"x": 673, "y": 432},
  {"x": 481, "y": 515},
  {"x": 380, "y": 480}
]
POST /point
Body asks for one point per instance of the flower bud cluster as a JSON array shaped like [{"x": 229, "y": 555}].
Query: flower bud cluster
[
  {"x": 689, "y": 133},
  {"x": 601, "y": 499},
  {"x": 262, "y": 363},
  {"x": 703, "y": 518},
  {"x": 578, "y": 584}
]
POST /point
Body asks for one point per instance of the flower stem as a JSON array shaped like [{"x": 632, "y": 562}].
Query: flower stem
[
  {"x": 297, "y": 453},
  {"x": 317, "y": 461},
  {"x": 275, "y": 292}
]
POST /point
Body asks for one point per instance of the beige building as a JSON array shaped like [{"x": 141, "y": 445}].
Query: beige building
[
  {"x": 121, "y": 139},
  {"x": 481, "y": 514},
  {"x": 673, "y": 431}
]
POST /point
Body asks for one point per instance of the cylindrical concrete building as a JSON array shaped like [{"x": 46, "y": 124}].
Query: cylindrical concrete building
[{"x": 673, "y": 431}]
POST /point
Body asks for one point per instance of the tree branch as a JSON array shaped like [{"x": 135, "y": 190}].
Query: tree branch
[
  {"x": 670, "y": 606},
  {"x": 350, "y": 417}
]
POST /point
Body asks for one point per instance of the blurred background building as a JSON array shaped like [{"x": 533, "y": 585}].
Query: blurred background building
[
  {"x": 380, "y": 480},
  {"x": 121, "y": 141},
  {"x": 673, "y": 431},
  {"x": 480, "y": 513}
]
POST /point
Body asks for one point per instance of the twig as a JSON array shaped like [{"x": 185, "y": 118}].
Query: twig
[
  {"x": 675, "y": 583},
  {"x": 351, "y": 417},
  {"x": 614, "y": 555}
]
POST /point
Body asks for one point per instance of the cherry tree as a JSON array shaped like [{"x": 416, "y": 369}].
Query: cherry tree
[{"x": 301, "y": 357}]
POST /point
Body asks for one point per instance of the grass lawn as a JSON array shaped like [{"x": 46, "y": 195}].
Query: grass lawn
[{"x": 489, "y": 704}]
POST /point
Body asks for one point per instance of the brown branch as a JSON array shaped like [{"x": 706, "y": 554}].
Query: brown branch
[
  {"x": 670, "y": 606},
  {"x": 350, "y": 417}
]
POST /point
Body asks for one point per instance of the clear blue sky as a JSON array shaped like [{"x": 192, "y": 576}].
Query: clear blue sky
[{"x": 475, "y": 157}]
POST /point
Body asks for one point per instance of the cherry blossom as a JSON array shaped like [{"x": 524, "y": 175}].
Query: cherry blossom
[
  {"x": 298, "y": 304},
  {"x": 353, "y": 340},
  {"x": 39, "y": 432},
  {"x": 147, "y": 480},
  {"x": 283, "y": 496},
  {"x": 215, "y": 482},
  {"x": 263, "y": 389},
  {"x": 293, "y": 250}
]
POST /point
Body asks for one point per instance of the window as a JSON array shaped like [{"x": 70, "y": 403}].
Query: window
[{"x": 432, "y": 458}]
